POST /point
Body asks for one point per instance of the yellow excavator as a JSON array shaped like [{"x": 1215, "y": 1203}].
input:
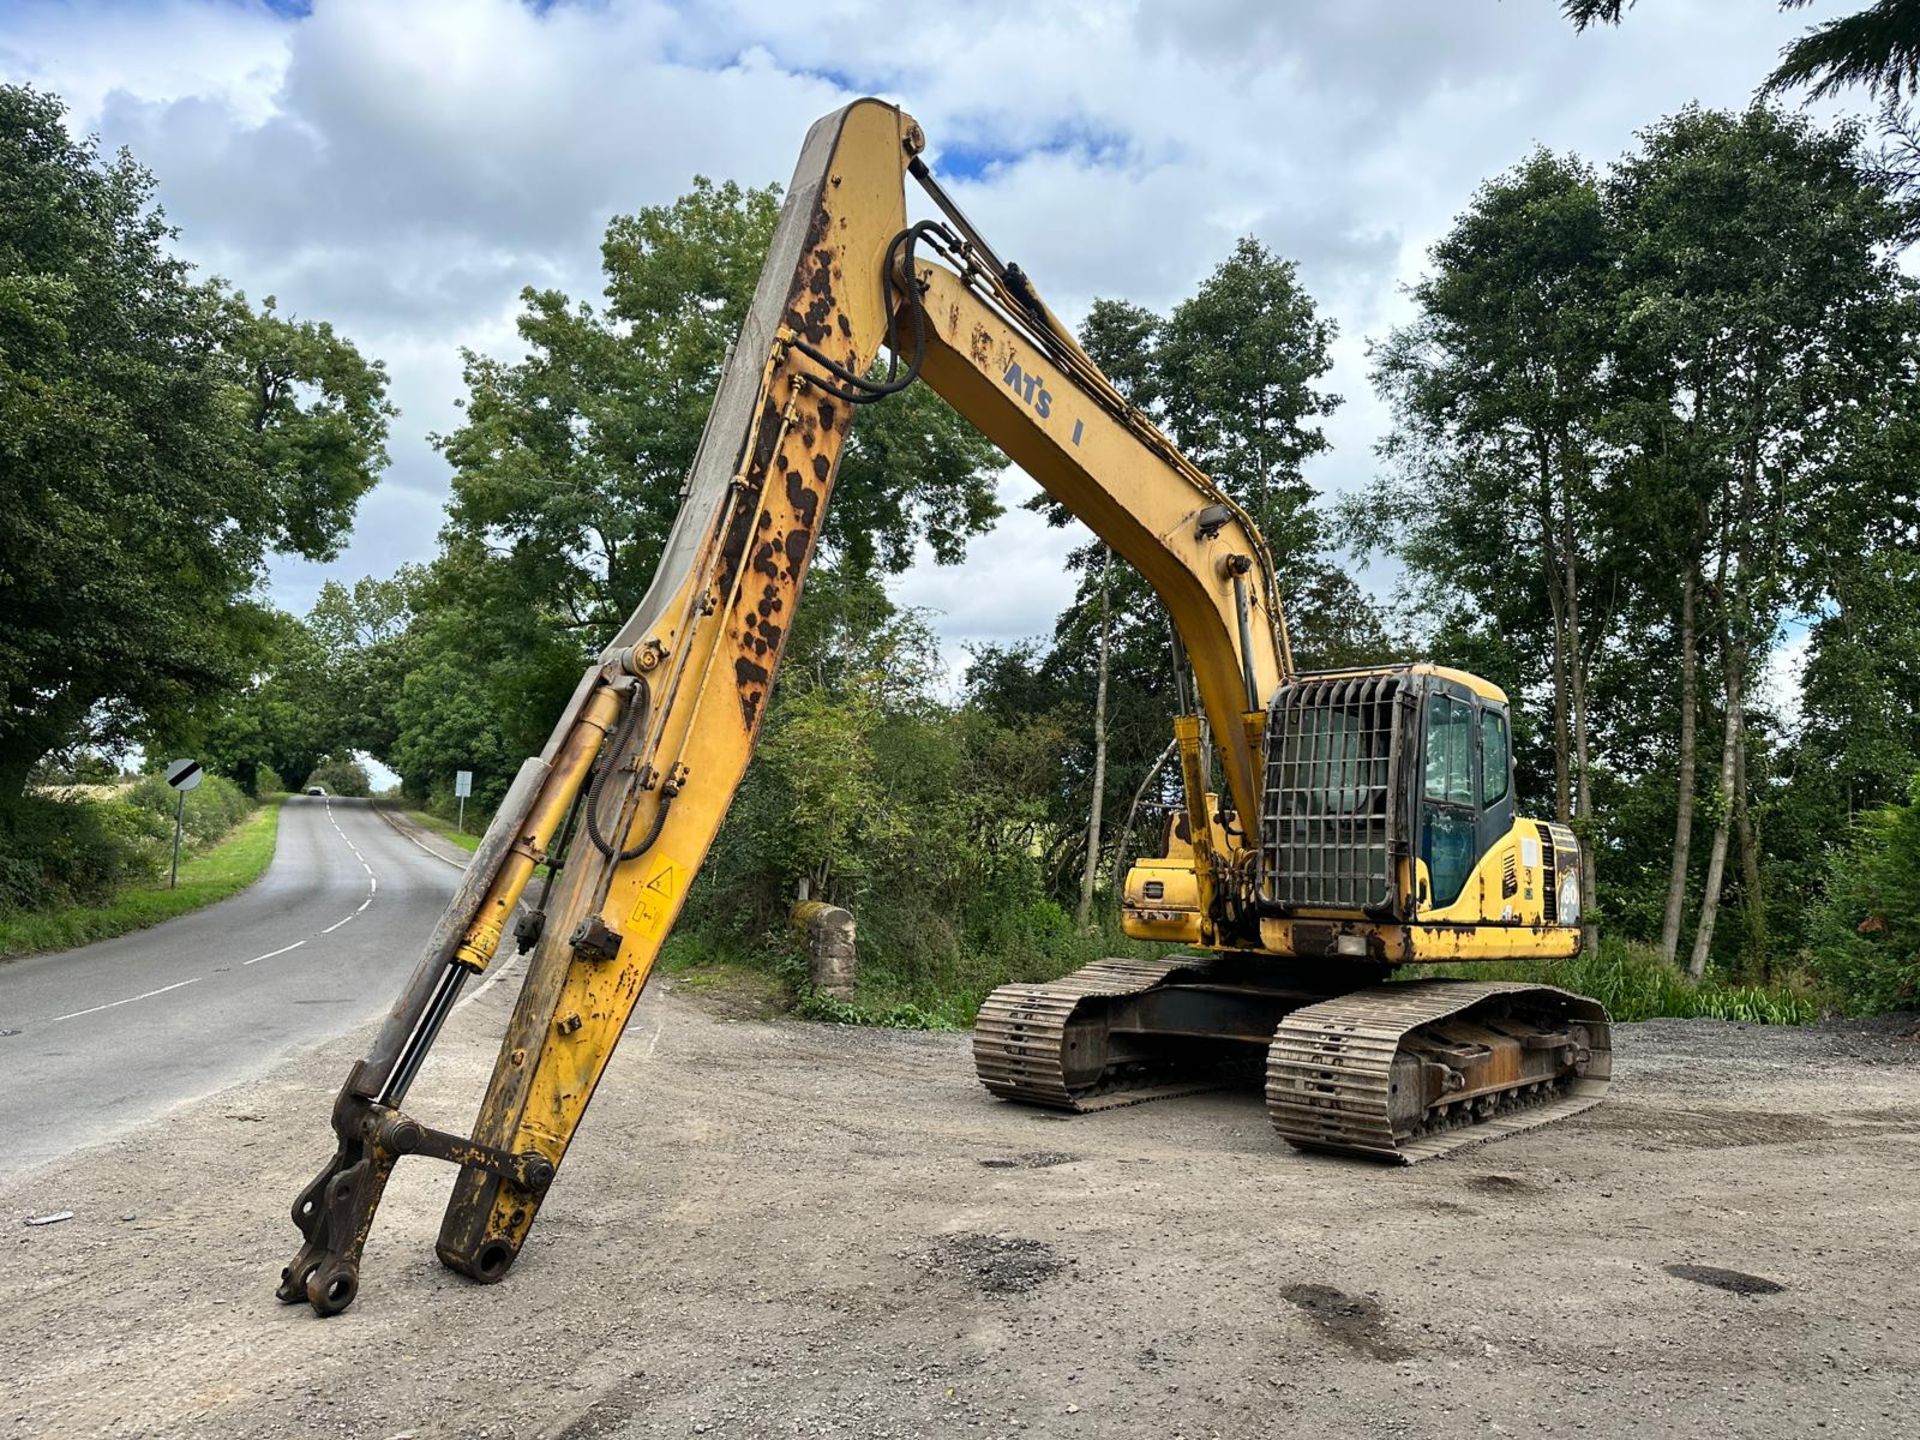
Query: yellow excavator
[{"x": 1364, "y": 819}]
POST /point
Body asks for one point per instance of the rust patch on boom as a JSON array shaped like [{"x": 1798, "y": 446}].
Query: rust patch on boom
[{"x": 783, "y": 520}]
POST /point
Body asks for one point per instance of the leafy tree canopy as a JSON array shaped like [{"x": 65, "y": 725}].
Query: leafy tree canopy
[{"x": 159, "y": 438}]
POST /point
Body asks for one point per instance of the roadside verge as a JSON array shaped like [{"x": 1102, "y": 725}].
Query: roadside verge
[{"x": 435, "y": 844}]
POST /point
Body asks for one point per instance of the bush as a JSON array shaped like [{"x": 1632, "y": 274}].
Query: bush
[
  {"x": 213, "y": 807},
  {"x": 268, "y": 781},
  {"x": 74, "y": 852},
  {"x": 1864, "y": 935},
  {"x": 1634, "y": 983},
  {"x": 60, "y": 852}
]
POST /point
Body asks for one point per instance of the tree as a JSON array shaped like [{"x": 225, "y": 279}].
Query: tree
[
  {"x": 340, "y": 774},
  {"x": 1238, "y": 371},
  {"x": 285, "y": 718},
  {"x": 1682, "y": 390},
  {"x": 1878, "y": 47},
  {"x": 1760, "y": 264},
  {"x": 1500, "y": 398},
  {"x": 1866, "y": 929},
  {"x": 158, "y": 440}
]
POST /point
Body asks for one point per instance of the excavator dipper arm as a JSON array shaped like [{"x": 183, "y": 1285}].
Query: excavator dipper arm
[{"x": 638, "y": 775}]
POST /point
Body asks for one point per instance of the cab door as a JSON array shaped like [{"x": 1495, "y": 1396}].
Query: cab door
[
  {"x": 1466, "y": 796},
  {"x": 1450, "y": 791}
]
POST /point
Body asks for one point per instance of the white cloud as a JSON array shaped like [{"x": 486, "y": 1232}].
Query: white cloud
[{"x": 404, "y": 169}]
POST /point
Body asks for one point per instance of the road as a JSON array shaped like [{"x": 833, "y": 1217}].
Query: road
[{"x": 111, "y": 1035}]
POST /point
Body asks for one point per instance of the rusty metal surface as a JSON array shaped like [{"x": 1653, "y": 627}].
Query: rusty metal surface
[
  {"x": 1066, "y": 1044},
  {"x": 1336, "y": 1071},
  {"x": 1027, "y": 1045}
]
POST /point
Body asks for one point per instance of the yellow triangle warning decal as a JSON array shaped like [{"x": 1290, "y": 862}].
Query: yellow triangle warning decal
[{"x": 654, "y": 901}]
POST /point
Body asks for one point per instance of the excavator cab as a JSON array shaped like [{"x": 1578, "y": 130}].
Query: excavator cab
[
  {"x": 1387, "y": 791},
  {"x": 1387, "y": 832}
]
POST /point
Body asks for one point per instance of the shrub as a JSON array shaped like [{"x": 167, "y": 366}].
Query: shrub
[
  {"x": 75, "y": 852},
  {"x": 212, "y": 808},
  {"x": 60, "y": 852},
  {"x": 1864, "y": 935},
  {"x": 1634, "y": 983}
]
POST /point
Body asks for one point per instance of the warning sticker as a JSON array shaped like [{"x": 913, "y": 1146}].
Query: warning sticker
[{"x": 653, "y": 906}]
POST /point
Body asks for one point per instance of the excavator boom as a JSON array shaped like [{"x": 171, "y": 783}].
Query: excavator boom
[{"x": 625, "y": 799}]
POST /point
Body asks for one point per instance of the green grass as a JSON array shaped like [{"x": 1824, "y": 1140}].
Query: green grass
[
  {"x": 215, "y": 874},
  {"x": 443, "y": 828},
  {"x": 1634, "y": 983}
]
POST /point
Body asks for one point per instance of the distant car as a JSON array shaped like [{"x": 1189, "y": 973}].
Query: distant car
[{"x": 316, "y": 789}]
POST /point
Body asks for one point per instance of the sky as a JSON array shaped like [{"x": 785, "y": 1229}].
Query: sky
[{"x": 403, "y": 167}]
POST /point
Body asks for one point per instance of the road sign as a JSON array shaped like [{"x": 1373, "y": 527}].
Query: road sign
[
  {"x": 462, "y": 784},
  {"x": 182, "y": 775}
]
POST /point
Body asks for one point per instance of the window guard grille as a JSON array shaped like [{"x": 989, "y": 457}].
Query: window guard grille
[{"x": 1330, "y": 827}]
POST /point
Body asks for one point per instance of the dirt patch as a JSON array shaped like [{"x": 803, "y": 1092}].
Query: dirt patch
[
  {"x": 1508, "y": 1185},
  {"x": 1709, "y": 1127},
  {"x": 1356, "y": 1321},
  {"x": 732, "y": 992},
  {"x": 1033, "y": 1160},
  {"x": 765, "y": 1231},
  {"x": 993, "y": 1264},
  {"x": 1737, "y": 1282}
]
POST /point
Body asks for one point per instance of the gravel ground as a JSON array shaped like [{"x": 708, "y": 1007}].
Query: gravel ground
[{"x": 787, "y": 1229}]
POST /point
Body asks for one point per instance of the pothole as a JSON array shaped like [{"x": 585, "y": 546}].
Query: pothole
[
  {"x": 1502, "y": 1185},
  {"x": 1034, "y": 1160}
]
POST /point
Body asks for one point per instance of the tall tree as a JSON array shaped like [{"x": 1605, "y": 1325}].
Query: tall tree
[
  {"x": 158, "y": 440},
  {"x": 1501, "y": 396},
  {"x": 1760, "y": 263},
  {"x": 568, "y": 466}
]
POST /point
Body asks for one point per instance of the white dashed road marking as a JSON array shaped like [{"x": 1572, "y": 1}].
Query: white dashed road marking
[
  {"x": 96, "y": 1009},
  {"x": 373, "y": 884},
  {"x": 271, "y": 953}
]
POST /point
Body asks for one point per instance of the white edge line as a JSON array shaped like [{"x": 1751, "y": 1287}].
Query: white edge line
[
  {"x": 271, "y": 953},
  {"x": 96, "y": 1009}
]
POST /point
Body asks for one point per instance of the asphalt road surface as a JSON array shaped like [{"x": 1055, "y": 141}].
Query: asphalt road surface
[{"x": 111, "y": 1035}]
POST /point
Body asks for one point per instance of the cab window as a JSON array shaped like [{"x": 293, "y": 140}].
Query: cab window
[
  {"x": 1449, "y": 750},
  {"x": 1494, "y": 755}
]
